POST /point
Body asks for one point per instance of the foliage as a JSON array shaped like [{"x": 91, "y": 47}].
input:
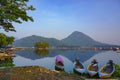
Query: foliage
[
  {"x": 13, "y": 11},
  {"x": 117, "y": 72},
  {"x": 7, "y": 65},
  {"x": 41, "y": 45},
  {"x": 5, "y": 40},
  {"x": 6, "y": 62}
]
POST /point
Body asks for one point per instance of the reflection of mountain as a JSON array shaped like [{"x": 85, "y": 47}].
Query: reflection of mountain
[
  {"x": 28, "y": 54},
  {"x": 47, "y": 62},
  {"x": 103, "y": 58},
  {"x": 75, "y": 39},
  {"x": 68, "y": 57},
  {"x": 83, "y": 55}
]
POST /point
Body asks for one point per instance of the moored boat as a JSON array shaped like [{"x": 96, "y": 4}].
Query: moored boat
[
  {"x": 79, "y": 67},
  {"x": 59, "y": 63},
  {"x": 106, "y": 71},
  {"x": 92, "y": 70}
]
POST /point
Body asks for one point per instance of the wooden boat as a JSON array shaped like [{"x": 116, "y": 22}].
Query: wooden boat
[
  {"x": 59, "y": 63},
  {"x": 79, "y": 67},
  {"x": 92, "y": 69},
  {"x": 106, "y": 72}
]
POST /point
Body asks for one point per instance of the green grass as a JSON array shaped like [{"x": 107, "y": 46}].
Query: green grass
[
  {"x": 6, "y": 64},
  {"x": 117, "y": 72}
]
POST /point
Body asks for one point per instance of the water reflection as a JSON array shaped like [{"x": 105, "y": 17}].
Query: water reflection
[
  {"x": 104, "y": 57},
  {"x": 47, "y": 58},
  {"x": 47, "y": 62},
  {"x": 41, "y": 52},
  {"x": 29, "y": 58},
  {"x": 83, "y": 55}
]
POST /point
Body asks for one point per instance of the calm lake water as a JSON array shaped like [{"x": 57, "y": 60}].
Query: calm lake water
[{"x": 47, "y": 58}]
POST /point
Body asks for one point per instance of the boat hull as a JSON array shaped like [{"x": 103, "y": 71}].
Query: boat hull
[
  {"x": 91, "y": 72},
  {"x": 59, "y": 68},
  {"x": 105, "y": 75},
  {"x": 79, "y": 70}
]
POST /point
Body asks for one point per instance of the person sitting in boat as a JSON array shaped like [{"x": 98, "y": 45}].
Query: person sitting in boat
[
  {"x": 94, "y": 64},
  {"x": 59, "y": 60},
  {"x": 77, "y": 63},
  {"x": 110, "y": 65}
]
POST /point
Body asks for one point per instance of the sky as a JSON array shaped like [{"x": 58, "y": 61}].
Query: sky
[{"x": 99, "y": 19}]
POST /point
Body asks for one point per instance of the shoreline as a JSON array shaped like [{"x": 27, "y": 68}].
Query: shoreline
[
  {"x": 41, "y": 73},
  {"x": 35, "y": 73}
]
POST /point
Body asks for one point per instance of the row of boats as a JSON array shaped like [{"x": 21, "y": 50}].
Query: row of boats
[{"x": 92, "y": 69}]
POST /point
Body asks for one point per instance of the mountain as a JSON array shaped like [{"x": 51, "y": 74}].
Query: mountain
[
  {"x": 80, "y": 39},
  {"x": 31, "y": 40},
  {"x": 75, "y": 39}
]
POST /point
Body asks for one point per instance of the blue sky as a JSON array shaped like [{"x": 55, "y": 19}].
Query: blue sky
[{"x": 100, "y": 19}]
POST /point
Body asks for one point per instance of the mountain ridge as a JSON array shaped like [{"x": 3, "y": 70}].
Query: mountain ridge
[{"x": 74, "y": 39}]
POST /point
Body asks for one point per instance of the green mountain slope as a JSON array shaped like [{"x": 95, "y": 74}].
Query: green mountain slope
[
  {"x": 31, "y": 40},
  {"x": 75, "y": 39},
  {"x": 80, "y": 39}
]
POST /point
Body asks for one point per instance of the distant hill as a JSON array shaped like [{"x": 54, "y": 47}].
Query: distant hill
[
  {"x": 31, "y": 40},
  {"x": 80, "y": 39},
  {"x": 75, "y": 39}
]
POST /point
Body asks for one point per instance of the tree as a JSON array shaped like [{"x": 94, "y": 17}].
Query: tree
[
  {"x": 42, "y": 45},
  {"x": 10, "y": 39},
  {"x": 2, "y": 40},
  {"x": 13, "y": 11},
  {"x": 5, "y": 40}
]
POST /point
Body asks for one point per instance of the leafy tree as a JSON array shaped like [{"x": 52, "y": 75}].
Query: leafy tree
[
  {"x": 2, "y": 40},
  {"x": 42, "y": 45},
  {"x": 13, "y": 11},
  {"x": 5, "y": 40},
  {"x": 10, "y": 39}
]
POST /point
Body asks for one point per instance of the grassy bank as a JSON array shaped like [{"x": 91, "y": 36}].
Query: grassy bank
[
  {"x": 35, "y": 73},
  {"x": 117, "y": 72},
  {"x": 40, "y": 73}
]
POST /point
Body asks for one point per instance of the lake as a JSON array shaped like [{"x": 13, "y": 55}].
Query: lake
[{"x": 47, "y": 58}]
